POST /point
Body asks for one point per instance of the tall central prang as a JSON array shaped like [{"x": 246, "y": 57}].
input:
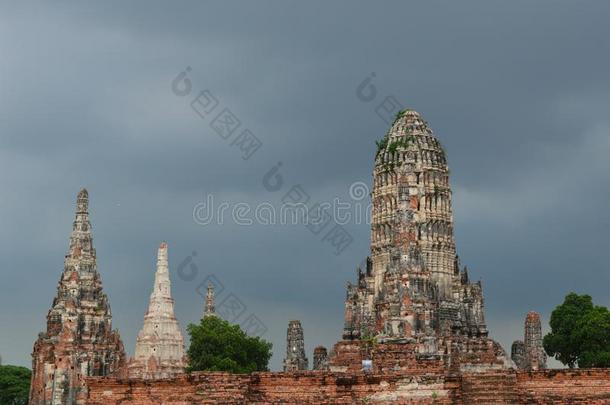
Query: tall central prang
[{"x": 412, "y": 285}]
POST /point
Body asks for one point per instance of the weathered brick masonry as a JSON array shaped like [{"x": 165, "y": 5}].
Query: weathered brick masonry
[
  {"x": 320, "y": 387},
  {"x": 400, "y": 375}
]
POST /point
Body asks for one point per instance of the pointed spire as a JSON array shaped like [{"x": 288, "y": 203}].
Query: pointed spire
[
  {"x": 81, "y": 249},
  {"x": 160, "y": 346},
  {"x": 162, "y": 262},
  {"x": 79, "y": 324},
  {"x": 162, "y": 283},
  {"x": 82, "y": 201},
  {"x": 210, "y": 309}
]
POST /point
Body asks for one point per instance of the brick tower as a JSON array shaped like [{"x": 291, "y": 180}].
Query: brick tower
[
  {"x": 528, "y": 354},
  {"x": 412, "y": 285},
  {"x": 79, "y": 340},
  {"x": 160, "y": 345},
  {"x": 295, "y": 348},
  {"x": 535, "y": 357}
]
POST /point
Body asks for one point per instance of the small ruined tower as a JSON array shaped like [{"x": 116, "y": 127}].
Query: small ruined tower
[
  {"x": 160, "y": 345},
  {"x": 517, "y": 354},
  {"x": 79, "y": 340},
  {"x": 535, "y": 357},
  {"x": 295, "y": 348},
  {"x": 320, "y": 358},
  {"x": 210, "y": 309},
  {"x": 528, "y": 354}
]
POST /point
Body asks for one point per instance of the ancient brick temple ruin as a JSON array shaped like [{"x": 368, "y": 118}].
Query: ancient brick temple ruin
[
  {"x": 528, "y": 354},
  {"x": 414, "y": 329},
  {"x": 413, "y": 288},
  {"x": 160, "y": 345},
  {"x": 79, "y": 340},
  {"x": 295, "y": 359}
]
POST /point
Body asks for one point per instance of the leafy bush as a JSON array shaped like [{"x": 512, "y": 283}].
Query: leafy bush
[
  {"x": 14, "y": 385},
  {"x": 580, "y": 333},
  {"x": 217, "y": 345}
]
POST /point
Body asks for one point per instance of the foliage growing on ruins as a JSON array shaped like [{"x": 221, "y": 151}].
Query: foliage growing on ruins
[
  {"x": 381, "y": 144},
  {"x": 580, "y": 333},
  {"x": 399, "y": 115},
  {"x": 14, "y": 385},
  {"x": 217, "y": 345},
  {"x": 401, "y": 142}
]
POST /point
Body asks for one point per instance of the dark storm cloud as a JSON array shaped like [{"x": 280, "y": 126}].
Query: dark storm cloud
[{"x": 517, "y": 93}]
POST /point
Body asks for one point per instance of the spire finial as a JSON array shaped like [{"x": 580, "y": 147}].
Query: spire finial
[
  {"x": 81, "y": 241},
  {"x": 210, "y": 309},
  {"x": 162, "y": 261},
  {"x": 82, "y": 201},
  {"x": 160, "y": 345}
]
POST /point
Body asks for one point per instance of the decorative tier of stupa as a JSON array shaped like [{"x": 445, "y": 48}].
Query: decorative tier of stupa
[
  {"x": 160, "y": 344},
  {"x": 79, "y": 340}
]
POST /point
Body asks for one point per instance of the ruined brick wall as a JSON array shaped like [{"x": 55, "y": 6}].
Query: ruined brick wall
[
  {"x": 587, "y": 386},
  {"x": 318, "y": 387},
  {"x": 303, "y": 388},
  {"x": 546, "y": 387}
]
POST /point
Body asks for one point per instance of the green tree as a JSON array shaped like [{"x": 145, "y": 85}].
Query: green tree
[
  {"x": 217, "y": 345},
  {"x": 580, "y": 333},
  {"x": 14, "y": 385}
]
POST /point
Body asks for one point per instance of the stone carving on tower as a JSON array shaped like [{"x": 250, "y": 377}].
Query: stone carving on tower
[
  {"x": 160, "y": 345},
  {"x": 412, "y": 287},
  {"x": 79, "y": 340},
  {"x": 295, "y": 348}
]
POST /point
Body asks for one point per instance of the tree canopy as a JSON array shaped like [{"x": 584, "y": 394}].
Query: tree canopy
[
  {"x": 580, "y": 333},
  {"x": 217, "y": 345},
  {"x": 14, "y": 385}
]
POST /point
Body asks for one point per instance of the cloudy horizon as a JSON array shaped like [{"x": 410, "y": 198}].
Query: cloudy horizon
[{"x": 516, "y": 92}]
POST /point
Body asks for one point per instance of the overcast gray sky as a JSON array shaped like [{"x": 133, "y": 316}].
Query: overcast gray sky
[{"x": 517, "y": 92}]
